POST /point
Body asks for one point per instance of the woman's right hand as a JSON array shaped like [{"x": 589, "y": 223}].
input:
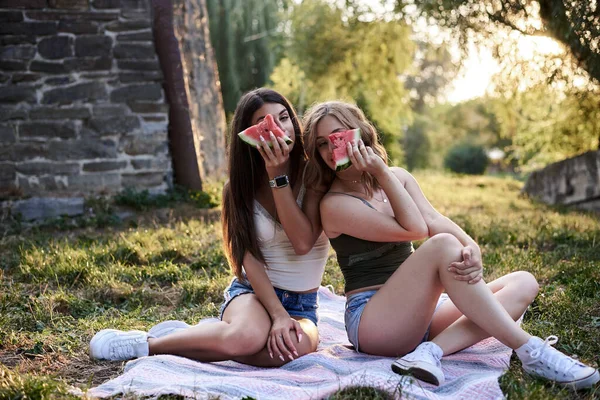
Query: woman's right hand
[
  {"x": 275, "y": 158},
  {"x": 280, "y": 343},
  {"x": 364, "y": 158}
]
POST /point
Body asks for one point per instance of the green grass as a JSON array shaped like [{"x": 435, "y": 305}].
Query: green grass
[{"x": 61, "y": 284}]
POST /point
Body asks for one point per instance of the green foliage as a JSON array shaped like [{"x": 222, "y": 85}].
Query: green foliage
[
  {"x": 15, "y": 386},
  {"x": 244, "y": 35},
  {"x": 466, "y": 158},
  {"x": 417, "y": 145},
  {"x": 337, "y": 54},
  {"x": 144, "y": 200}
]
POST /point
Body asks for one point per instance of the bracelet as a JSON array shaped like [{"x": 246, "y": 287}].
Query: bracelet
[{"x": 279, "y": 182}]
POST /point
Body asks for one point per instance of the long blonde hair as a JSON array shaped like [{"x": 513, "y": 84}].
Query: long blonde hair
[{"x": 351, "y": 117}]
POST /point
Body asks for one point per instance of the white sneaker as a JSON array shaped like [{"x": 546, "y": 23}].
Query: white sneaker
[
  {"x": 115, "y": 345},
  {"x": 166, "y": 328},
  {"x": 539, "y": 358},
  {"x": 423, "y": 363}
]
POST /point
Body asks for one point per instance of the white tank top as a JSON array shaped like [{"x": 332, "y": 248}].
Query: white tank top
[{"x": 286, "y": 269}]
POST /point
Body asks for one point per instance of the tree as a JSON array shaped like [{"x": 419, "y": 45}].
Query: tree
[
  {"x": 244, "y": 36},
  {"x": 576, "y": 24},
  {"x": 335, "y": 53}
]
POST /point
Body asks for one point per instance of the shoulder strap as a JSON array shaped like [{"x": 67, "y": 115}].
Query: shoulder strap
[{"x": 356, "y": 197}]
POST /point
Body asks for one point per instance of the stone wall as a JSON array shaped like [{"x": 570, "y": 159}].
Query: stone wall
[
  {"x": 82, "y": 108},
  {"x": 573, "y": 182}
]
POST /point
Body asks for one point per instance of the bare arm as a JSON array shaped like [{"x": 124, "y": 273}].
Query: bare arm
[{"x": 301, "y": 225}]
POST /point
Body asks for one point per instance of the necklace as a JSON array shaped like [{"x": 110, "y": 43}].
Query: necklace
[{"x": 383, "y": 196}]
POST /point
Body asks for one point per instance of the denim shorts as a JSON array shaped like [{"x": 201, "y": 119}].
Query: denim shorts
[
  {"x": 302, "y": 305},
  {"x": 355, "y": 305}
]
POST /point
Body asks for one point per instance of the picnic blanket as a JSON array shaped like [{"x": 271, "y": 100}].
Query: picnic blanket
[{"x": 471, "y": 373}]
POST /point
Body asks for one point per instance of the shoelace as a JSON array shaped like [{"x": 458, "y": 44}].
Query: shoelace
[
  {"x": 124, "y": 348},
  {"x": 423, "y": 353},
  {"x": 555, "y": 357}
]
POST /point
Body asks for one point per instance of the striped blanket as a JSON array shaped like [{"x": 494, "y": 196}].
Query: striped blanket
[{"x": 471, "y": 373}]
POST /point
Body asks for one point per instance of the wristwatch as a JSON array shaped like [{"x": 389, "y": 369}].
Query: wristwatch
[{"x": 279, "y": 182}]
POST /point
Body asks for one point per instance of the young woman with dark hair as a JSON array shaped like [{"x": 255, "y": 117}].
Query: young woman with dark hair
[{"x": 276, "y": 248}]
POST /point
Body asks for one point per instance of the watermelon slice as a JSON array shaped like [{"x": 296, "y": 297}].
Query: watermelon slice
[
  {"x": 253, "y": 134},
  {"x": 339, "y": 141}
]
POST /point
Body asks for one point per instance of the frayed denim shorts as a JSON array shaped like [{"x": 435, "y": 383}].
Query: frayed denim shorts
[
  {"x": 302, "y": 305},
  {"x": 355, "y": 305}
]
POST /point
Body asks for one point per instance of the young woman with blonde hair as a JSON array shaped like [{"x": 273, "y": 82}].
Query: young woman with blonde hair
[{"x": 371, "y": 214}]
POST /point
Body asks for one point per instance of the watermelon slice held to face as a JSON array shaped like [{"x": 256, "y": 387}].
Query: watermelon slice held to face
[
  {"x": 263, "y": 129},
  {"x": 340, "y": 153}
]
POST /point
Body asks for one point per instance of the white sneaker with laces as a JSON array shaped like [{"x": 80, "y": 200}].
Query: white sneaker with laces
[
  {"x": 424, "y": 363},
  {"x": 539, "y": 358},
  {"x": 166, "y": 328},
  {"x": 115, "y": 345}
]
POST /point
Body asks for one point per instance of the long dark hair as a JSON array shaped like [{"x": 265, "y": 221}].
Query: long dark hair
[{"x": 246, "y": 173}]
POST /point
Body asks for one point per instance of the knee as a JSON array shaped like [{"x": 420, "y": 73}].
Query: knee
[
  {"x": 307, "y": 346},
  {"x": 445, "y": 244},
  {"x": 528, "y": 286},
  {"x": 243, "y": 342}
]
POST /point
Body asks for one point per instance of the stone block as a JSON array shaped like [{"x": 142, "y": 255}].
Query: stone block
[
  {"x": 44, "y": 168},
  {"x": 25, "y": 78},
  {"x": 17, "y": 52},
  {"x": 28, "y": 28},
  {"x": 60, "y": 81},
  {"x": 16, "y": 94},
  {"x": 56, "y": 47},
  {"x": 48, "y": 207},
  {"x": 4, "y": 78},
  {"x": 23, "y": 3},
  {"x": 81, "y": 149},
  {"x": 37, "y": 185},
  {"x": 144, "y": 145},
  {"x": 142, "y": 180},
  {"x": 90, "y": 91},
  {"x": 59, "y": 113},
  {"x": 102, "y": 166},
  {"x": 109, "y": 110},
  {"x": 93, "y": 45},
  {"x": 12, "y": 65},
  {"x": 129, "y": 25},
  {"x": 78, "y": 26},
  {"x": 47, "y": 130},
  {"x": 48, "y": 67},
  {"x": 151, "y": 91},
  {"x": 139, "y": 51},
  {"x": 114, "y": 125},
  {"x": 135, "y": 4},
  {"x": 7, "y": 171},
  {"x": 146, "y": 107},
  {"x": 88, "y": 64},
  {"x": 11, "y": 16},
  {"x": 104, "y": 4},
  {"x": 145, "y": 36},
  {"x": 72, "y": 16},
  {"x": 6, "y": 40},
  {"x": 69, "y": 4},
  {"x": 140, "y": 76},
  {"x": 8, "y": 133},
  {"x": 96, "y": 183},
  {"x": 23, "y": 151},
  {"x": 139, "y": 65},
  {"x": 162, "y": 164},
  {"x": 8, "y": 113}
]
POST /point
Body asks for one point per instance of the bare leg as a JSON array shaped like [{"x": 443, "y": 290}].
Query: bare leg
[
  {"x": 453, "y": 332},
  {"x": 241, "y": 336},
  {"x": 242, "y": 332},
  {"x": 397, "y": 316}
]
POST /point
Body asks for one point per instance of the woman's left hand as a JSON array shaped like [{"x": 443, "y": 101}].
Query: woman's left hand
[
  {"x": 275, "y": 158},
  {"x": 471, "y": 267}
]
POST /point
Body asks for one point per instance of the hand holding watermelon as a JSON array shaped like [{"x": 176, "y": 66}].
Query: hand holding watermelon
[{"x": 364, "y": 158}]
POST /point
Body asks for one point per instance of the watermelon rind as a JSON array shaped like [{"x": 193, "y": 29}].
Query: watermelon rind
[{"x": 345, "y": 163}]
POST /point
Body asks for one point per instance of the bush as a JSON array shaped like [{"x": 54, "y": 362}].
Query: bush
[{"x": 466, "y": 158}]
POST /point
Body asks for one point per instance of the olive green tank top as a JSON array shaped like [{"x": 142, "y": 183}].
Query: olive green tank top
[{"x": 365, "y": 263}]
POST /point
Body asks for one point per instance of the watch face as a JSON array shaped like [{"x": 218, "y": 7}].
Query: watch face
[{"x": 281, "y": 181}]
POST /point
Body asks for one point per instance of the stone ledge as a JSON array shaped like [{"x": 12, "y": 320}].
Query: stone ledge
[{"x": 47, "y": 207}]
